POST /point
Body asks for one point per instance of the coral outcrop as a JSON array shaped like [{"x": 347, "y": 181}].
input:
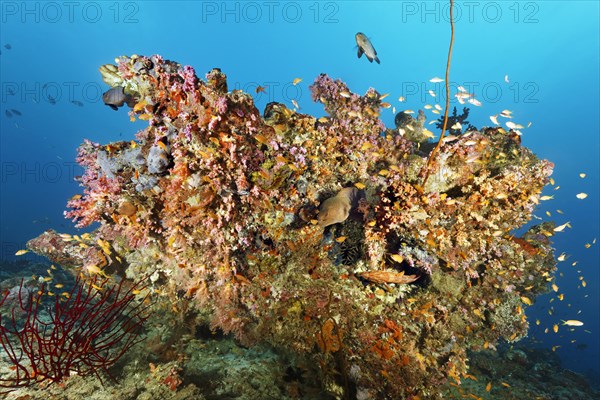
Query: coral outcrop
[{"x": 218, "y": 206}]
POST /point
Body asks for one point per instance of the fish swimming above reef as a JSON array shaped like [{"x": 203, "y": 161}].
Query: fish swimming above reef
[
  {"x": 365, "y": 46},
  {"x": 572, "y": 322},
  {"x": 116, "y": 97}
]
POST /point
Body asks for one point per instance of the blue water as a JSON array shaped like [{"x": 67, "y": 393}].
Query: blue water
[{"x": 549, "y": 50}]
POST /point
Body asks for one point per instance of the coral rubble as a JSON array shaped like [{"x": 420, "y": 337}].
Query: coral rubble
[{"x": 218, "y": 207}]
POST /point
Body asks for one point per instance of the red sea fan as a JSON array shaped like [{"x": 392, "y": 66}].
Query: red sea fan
[{"x": 86, "y": 331}]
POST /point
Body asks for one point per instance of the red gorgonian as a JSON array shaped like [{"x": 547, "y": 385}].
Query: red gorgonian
[{"x": 84, "y": 332}]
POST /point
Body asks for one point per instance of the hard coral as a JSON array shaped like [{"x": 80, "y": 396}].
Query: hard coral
[{"x": 218, "y": 204}]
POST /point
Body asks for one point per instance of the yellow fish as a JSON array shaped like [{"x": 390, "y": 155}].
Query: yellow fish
[
  {"x": 21, "y": 252},
  {"x": 526, "y": 300},
  {"x": 94, "y": 269},
  {"x": 572, "y": 322},
  {"x": 560, "y": 228},
  {"x": 397, "y": 257}
]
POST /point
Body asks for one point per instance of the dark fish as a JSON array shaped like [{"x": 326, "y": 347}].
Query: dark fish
[
  {"x": 8, "y": 114},
  {"x": 7, "y": 46},
  {"x": 116, "y": 97},
  {"x": 51, "y": 100},
  {"x": 16, "y": 112},
  {"x": 365, "y": 46},
  {"x": 77, "y": 103}
]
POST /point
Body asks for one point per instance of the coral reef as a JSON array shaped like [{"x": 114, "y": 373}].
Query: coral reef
[
  {"x": 411, "y": 128},
  {"x": 219, "y": 207}
]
